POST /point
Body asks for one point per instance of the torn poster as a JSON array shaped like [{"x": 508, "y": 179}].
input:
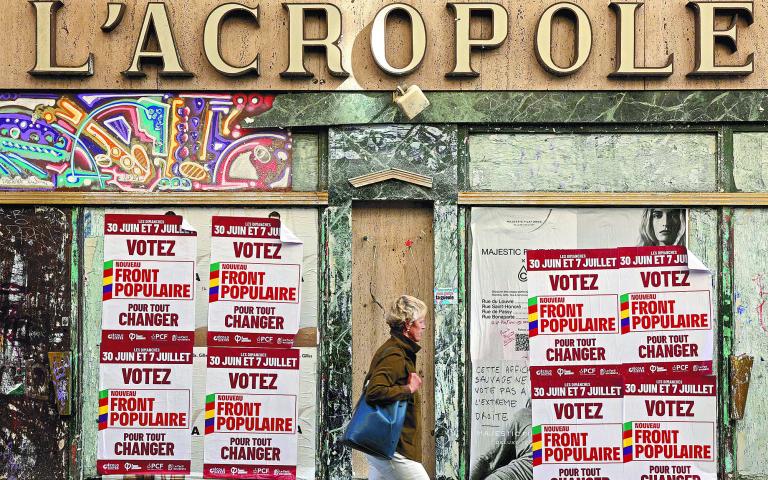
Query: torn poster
[{"x": 255, "y": 283}]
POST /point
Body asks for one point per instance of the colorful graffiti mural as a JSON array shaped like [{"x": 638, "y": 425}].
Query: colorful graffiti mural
[{"x": 139, "y": 142}]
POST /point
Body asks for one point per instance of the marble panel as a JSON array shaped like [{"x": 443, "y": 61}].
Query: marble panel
[
  {"x": 335, "y": 362},
  {"x": 355, "y": 108},
  {"x": 422, "y": 149},
  {"x": 593, "y": 162},
  {"x": 449, "y": 345}
]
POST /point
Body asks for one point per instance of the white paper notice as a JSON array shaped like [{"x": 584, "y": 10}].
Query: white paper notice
[
  {"x": 573, "y": 308},
  {"x": 577, "y": 427}
]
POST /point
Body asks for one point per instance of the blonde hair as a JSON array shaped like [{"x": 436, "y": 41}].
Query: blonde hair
[{"x": 404, "y": 311}]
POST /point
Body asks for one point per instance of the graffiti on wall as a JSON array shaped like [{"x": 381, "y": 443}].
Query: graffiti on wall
[
  {"x": 139, "y": 142},
  {"x": 35, "y": 310}
]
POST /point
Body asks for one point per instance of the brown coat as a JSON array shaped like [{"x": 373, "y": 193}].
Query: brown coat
[{"x": 390, "y": 368}]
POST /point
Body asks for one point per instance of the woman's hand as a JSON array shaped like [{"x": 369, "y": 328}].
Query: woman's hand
[{"x": 414, "y": 382}]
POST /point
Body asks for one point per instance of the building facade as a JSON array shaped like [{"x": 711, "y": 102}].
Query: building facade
[{"x": 156, "y": 107}]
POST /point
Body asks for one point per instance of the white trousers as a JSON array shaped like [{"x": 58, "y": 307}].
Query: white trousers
[{"x": 399, "y": 468}]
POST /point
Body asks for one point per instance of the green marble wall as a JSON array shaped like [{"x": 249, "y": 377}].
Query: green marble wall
[
  {"x": 594, "y": 162},
  {"x": 505, "y": 108},
  {"x": 335, "y": 364},
  {"x": 306, "y": 155},
  {"x": 423, "y": 149},
  {"x": 750, "y": 161},
  {"x": 450, "y": 346}
]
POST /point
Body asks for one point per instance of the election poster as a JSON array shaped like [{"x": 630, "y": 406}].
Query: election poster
[
  {"x": 251, "y": 413},
  {"x": 577, "y": 426},
  {"x": 666, "y": 311},
  {"x": 255, "y": 283},
  {"x": 148, "y": 319},
  {"x": 149, "y": 274},
  {"x": 573, "y": 317},
  {"x": 499, "y": 344},
  {"x": 664, "y": 346},
  {"x": 670, "y": 426},
  {"x": 145, "y": 382}
]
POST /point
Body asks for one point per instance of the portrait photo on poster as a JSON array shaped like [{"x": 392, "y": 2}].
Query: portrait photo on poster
[{"x": 500, "y": 437}]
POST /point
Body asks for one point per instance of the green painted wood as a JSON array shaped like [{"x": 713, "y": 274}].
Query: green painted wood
[
  {"x": 463, "y": 248},
  {"x": 75, "y": 342},
  {"x": 726, "y": 268},
  {"x": 750, "y": 335},
  {"x": 353, "y": 108},
  {"x": 306, "y": 151},
  {"x": 91, "y": 284},
  {"x": 593, "y": 162}
]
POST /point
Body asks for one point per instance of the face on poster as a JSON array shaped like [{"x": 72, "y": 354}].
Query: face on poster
[
  {"x": 670, "y": 426},
  {"x": 500, "y": 409},
  {"x": 255, "y": 283},
  {"x": 149, "y": 273},
  {"x": 666, "y": 311},
  {"x": 144, "y": 404},
  {"x": 251, "y": 413}
]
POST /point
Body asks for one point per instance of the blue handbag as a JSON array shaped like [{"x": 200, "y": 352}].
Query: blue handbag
[{"x": 375, "y": 429}]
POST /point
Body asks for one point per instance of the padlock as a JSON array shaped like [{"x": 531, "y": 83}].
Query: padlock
[{"x": 411, "y": 102}]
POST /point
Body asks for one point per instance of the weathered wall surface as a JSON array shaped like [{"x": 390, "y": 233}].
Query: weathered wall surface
[
  {"x": 665, "y": 27},
  {"x": 598, "y": 162},
  {"x": 750, "y": 292},
  {"x": 35, "y": 318},
  {"x": 392, "y": 255},
  {"x": 750, "y": 161}
]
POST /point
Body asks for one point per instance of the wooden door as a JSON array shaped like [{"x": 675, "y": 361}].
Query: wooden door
[{"x": 392, "y": 255}]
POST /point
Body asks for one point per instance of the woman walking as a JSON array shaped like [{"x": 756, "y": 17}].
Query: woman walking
[{"x": 393, "y": 377}]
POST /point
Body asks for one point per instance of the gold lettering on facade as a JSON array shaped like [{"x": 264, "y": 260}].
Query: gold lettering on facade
[
  {"x": 45, "y": 51},
  {"x": 716, "y": 22},
  {"x": 626, "y": 53},
  {"x": 157, "y": 25},
  {"x": 115, "y": 13},
  {"x": 543, "y": 39},
  {"x": 298, "y": 41},
  {"x": 706, "y": 36},
  {"x": 465, "y": 44},
  {"x": 211, "y": 39},
  {"x": 379, "y": 41}
]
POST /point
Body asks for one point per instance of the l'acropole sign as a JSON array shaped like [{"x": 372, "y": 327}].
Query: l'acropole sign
[{"x": 310, "y": 46}]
